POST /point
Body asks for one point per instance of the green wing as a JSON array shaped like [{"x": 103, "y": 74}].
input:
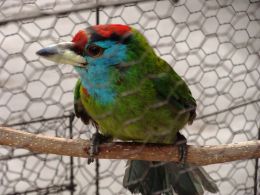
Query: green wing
[
  {"x": 79, "y": 109},
  {"x": 170, "y": 86}
]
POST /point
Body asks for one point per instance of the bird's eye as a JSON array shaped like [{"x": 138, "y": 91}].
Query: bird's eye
[{"x": 94, "y": 51}]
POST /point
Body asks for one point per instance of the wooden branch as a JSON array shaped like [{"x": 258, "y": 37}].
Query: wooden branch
[{"x": 197, "y": 155}]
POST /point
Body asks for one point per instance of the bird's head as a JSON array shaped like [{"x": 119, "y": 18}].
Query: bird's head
[
  {"x": 100, "y": 45},
  {"x": 98, "y": 51}
]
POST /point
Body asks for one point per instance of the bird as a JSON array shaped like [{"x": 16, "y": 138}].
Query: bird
[{"x": 129, "y": 93}]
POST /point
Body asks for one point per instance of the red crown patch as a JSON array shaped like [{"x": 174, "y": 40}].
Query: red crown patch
[{"x": 108, "y": 29}]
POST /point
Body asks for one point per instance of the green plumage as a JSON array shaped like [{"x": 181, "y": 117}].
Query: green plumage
[
  {"x": 131, "y": 94},
  {"x": 152, "y": 104}
]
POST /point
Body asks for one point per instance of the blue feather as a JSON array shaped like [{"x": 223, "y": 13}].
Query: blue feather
[{"x": 96, "y": 77}]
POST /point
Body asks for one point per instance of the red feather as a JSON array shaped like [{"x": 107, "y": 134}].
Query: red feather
[
  {"x": 108, "y": 29},
  {"x": 80, "y": 39},
  {"x": 85, "y": 91}
]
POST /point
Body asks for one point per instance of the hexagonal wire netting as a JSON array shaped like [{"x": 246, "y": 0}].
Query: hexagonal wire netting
[{"x": 214, "y": 45}]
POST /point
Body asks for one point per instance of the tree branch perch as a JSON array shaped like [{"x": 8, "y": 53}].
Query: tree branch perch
[{"x": 197, "y": 155}]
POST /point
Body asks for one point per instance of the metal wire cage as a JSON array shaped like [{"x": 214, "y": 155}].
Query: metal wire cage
[{"x": 214, "y": 45}]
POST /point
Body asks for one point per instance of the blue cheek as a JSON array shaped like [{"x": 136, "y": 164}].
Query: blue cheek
[
  {"x": 113, "y": 54},
  {"x": 97, "y": 76}
]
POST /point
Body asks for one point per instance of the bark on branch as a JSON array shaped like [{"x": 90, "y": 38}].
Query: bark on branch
[{"x": 197, "y": 155}]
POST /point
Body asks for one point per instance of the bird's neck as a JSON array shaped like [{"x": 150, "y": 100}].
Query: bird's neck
[{"x": 99, "y": 85}]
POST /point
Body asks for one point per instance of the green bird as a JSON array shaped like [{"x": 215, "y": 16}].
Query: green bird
[{"x": 129, "y": 93}]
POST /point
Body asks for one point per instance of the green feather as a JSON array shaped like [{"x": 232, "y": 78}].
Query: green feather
[{"x": 152, "y": 104}]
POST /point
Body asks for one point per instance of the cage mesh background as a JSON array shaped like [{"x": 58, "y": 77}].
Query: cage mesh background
[{"x": 214, "y": 45}]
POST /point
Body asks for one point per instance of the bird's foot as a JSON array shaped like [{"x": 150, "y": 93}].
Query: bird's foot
[
  {"x": 181, "y": 142},
  {"x": 95, "y": 141}
]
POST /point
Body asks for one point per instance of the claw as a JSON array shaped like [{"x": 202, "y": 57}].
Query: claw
[
  {"x": 95, "y": 141},
  {"x": 182, "y": 153},
  {"x": 181, "y": 142}
]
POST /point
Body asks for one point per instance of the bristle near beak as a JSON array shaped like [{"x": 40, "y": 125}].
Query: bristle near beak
[{"x": 63, "y": 53}]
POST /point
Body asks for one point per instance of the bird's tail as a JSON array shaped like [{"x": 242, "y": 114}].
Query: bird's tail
[{"x": 158, "y": 178}]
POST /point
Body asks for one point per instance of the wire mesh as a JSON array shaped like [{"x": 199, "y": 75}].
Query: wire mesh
[{"x": 214, "y": 45}]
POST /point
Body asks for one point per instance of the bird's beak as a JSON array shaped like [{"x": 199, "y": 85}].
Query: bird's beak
[{"x": 63, "y": 53}]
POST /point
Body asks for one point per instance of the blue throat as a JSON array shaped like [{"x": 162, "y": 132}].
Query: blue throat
[{"x": 97, "y": 76}]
